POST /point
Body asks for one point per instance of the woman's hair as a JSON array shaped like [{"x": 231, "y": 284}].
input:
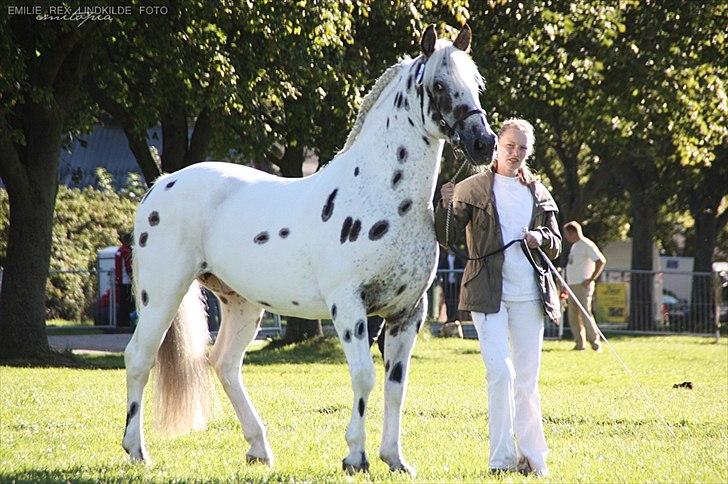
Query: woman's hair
[{"x": 524, "y": 173}]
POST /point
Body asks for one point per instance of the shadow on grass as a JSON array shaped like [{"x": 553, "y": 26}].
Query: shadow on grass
[
  {"x": 67, "y": 359},
  {"x": 323, "y": 349}
]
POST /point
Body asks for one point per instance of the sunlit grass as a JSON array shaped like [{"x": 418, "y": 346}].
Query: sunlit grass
[{"x": 66, "y": 424}]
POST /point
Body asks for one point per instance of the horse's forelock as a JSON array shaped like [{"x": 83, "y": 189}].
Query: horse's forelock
[{"x": 459, "y": 63}]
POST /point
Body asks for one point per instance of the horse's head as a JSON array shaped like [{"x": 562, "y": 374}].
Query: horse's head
[{"x": 452, "y": 82}]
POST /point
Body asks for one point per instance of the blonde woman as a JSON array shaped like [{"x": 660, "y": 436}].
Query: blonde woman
[{"x": 507, "y": 297}]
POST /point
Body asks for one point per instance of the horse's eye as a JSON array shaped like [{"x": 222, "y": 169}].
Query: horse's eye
[{"x": 439, "y": 87}]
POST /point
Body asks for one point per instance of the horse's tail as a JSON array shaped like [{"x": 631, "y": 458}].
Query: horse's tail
[{"x": 183, "y": 385}]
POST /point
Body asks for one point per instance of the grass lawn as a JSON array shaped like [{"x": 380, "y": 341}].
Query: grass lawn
[{"x": 66, "y": 424}]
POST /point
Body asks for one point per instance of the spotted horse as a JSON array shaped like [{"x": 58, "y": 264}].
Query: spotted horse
[{"x": 355, "y": 239}]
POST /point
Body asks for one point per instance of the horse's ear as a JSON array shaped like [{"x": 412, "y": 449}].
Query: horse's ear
[
  {"x": 428, "y": 40},
  {"x": 462, "y": 41}
]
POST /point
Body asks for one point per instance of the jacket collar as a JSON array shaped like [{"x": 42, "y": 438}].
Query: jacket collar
[{"x": 477, "y": 191}]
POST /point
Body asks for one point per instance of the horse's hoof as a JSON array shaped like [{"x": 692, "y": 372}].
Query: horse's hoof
[
  {"x": 139, "y": 456},
  {"x": 352, "y": 469},
  {"x": 404, "y": 468},
  {"x": 254, "y": 459}
]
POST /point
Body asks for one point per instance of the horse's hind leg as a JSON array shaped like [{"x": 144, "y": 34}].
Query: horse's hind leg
[
  {"x": 158, "y": 299},
  {"x": 240, "y": 321},
  {"x": 398, "y": 345},
  {"x": 349, "y": 318}
]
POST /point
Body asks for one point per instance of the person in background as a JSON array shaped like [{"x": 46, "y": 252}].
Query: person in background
[
  {"x": 506, "y": 295},
  {"x": 123, "y": 272},
  {"x": 585, "y": 264}
]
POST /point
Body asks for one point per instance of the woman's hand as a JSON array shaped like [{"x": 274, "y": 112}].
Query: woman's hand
[
  {"x": 533, "y": 239},
  {"x": 447, "y": 191}
]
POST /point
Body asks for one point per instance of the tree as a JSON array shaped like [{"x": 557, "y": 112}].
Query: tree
[{"x": 42, "y": 99}]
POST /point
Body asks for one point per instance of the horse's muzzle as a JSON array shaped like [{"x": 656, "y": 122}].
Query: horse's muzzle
[{"x": 479, "y": 146}]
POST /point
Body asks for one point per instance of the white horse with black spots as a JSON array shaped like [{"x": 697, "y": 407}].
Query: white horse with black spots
[{"x": 355, "y": 239}]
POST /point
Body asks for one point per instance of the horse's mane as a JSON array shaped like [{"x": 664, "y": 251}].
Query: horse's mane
[{"x": 370, "y": 100}]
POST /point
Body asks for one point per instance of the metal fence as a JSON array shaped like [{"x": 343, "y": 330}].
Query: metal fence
[
  {"x": 661, "y": 302},
  {"x": 624, "y": 300},
  {"x": 86, "y": 297}
]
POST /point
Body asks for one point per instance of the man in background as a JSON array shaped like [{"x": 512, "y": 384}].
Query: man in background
[{"x": 586, "y": 262}]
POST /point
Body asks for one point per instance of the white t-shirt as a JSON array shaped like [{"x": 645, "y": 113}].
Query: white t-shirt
[
  {"x": 584, "y": 253},
  {"x": 514, "y": 203}
]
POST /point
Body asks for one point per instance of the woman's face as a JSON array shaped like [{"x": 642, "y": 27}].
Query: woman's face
[{"x": 512, "y": 148}]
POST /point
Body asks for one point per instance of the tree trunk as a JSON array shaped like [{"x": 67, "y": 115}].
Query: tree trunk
[
  {"x": 297, "y": 329},
  {"x": 31, "y": 180},
  {"x": 702, "y": 297},
  {"x": 644, "y": 215}
]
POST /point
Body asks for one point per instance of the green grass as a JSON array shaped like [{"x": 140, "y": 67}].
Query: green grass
[{"x": 66, "y": 423}]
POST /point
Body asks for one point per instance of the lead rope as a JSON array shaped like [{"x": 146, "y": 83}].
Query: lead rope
[
  {"x": 458, "y": 154},
  {"x": 645, "y": 395}
]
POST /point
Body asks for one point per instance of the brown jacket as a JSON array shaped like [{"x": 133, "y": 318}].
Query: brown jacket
[{"x": 475, "y": 223}]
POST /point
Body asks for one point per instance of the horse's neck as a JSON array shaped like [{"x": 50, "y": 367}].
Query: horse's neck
[{"x": 393, "y": 139}]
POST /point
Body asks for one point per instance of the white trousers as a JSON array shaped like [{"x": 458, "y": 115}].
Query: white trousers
[{"x": 510, "y": 343}]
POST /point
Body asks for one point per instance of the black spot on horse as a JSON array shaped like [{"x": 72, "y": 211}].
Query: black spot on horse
[
  {"x": 223, "y": 299},
  {"x": 396, "y": 178},
  {"x": 406, "y": 104},
  {"x": 356, "y": 171},
  {"x": 394, "y": 330},
  {"x": 261, "y": 238},
  {"x": 361, "y": 407},
  {"x": 154, "y": 218},
  {"x": 355, "y": 229},
  {"x": 474, "y": 129},
  {"x": 396, "y": 375},
  {"x": 410, "y": 121},
  {"x": 170, "y": 184},
  {"x": 419, "y": 325},
  {"x": 263, "y": 303},
  {"x": 386, "y": 366},
  {"x": 328, "y": 209},
  {"x": 404, "y": 207},
  {"x": 387, "y": 123},
  {"x": 409, "y": 83},
  {"x": 295, "y": 303},
  {"x": 347, "y": 336},
  {"x": 345, "y": 229},
  {"x": 145, "y": 297},
  {"x": 457, "y": 95},
  {"x": 143, "y": 239},
  {"x": 284, "y": 232},
  {"x": 203, "y": 265},
  {"x": 133, "y": 408},
  {"x": 401, "y": 289},
  {"x": 378, "y": 230},
  {"x": 359, "y": 329},
  {"x": 427, "y": 142},
  {"x": 333, "y": 311},
  {"x": 402, "y": 154}
]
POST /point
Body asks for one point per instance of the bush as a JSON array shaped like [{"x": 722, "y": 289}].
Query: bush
[{"x": 85, "y": 221}]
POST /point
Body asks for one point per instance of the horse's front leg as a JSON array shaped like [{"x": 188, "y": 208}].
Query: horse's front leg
[
  {"x": 349, "y": 317},
  {"x": 398, "y": 344}
]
